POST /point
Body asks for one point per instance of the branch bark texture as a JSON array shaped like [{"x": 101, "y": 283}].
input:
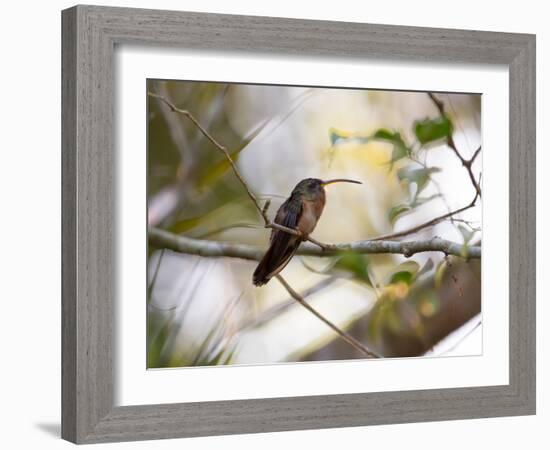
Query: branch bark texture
[{"x": 183, "y": 244}]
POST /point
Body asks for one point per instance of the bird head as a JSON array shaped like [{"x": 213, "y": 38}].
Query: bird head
[{"x": 312, "y": 188}]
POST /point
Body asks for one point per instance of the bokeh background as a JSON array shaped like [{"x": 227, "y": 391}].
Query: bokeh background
[{"x": 205, "y": 311}]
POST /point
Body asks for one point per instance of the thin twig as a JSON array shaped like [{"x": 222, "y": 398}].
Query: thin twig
[
  {"x": 175, "y": 128},
  {"x": 283, "y": 306},
  {"x": 462, "y": 339},
  {"x": 427, "y": 224},
  {"x": 457, "y": 121},
  {"x": 266, "y": 206},
  {"x": 474, "y": 156},
  {"x": 217, "y": 144},
  {"x": 155, "y": 274},
  {"x": 223, "y": 149},
  {"x": 347, "y": 337},
  {"x": 467, "y": 163}
]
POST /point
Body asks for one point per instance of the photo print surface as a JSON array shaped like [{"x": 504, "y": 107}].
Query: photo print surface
[{"x": 294, "y": 224}]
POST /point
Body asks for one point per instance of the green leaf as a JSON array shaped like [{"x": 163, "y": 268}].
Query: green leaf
[
  {"x": 466, "y": 233},
  {"x": 185, "y": 225},
  {"x": 420, "y": 176},
  {"x": 440, "y": 273},
  {"x": 336, "y": 136},
  {"x": 400, "y": 149},
  {"x": 417, "y": 175},
  {"x": 398, "y": 152},
  {"x": 405, "y": 277},
  {"x": 356, "y": 264},
  {"x": 397, "y": 211},
  {"x": 426, "y": 267},
  {"x": 430, "y": 130},
  {"x": 405, "y": 272},
  {"x": 383, "y": 134},
  {"x": 421, "y": 200}
]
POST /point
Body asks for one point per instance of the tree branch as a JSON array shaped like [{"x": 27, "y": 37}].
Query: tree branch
[
  {"x": 236, "y": 249},
  {"x": 183, "y": 244},
  {"x": 223, "y": 149},
  {"x": 347, "y": 337},
  {"x": 280, "y": 308}
]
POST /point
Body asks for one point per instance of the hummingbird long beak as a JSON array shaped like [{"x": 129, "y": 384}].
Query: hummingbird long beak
[{"x": 340, "y": 180}]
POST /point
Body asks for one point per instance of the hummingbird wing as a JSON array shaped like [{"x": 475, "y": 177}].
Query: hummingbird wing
[{"x": 282, "y": 245}]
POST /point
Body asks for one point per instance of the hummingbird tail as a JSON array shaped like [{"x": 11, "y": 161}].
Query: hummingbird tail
[
  {"x": 259, "y": 278},
  {"x": 261, "y": 274},
  {"x": 272, "y": 263}
]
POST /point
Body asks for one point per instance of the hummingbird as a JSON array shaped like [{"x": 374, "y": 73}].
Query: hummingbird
[{"x": 300, "y": 211}]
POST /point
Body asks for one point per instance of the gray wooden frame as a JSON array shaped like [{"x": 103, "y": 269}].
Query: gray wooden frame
[{"x": 90, "y": 34}]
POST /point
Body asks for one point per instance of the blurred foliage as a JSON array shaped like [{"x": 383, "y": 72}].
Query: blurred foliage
[
  {"x": 409, "y": 318},
  {"x": 205, "y": 177},
  {"x": 414, "y": 173},
  {"x": 400, "y": 149},
  {"x": 163, "y": 351},
  {"x": 349, "y": 265},
  {"x": 192, "y": 191}
]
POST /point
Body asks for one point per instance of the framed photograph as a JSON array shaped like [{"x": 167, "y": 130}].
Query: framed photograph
[{"x": 277, "y": 224}]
